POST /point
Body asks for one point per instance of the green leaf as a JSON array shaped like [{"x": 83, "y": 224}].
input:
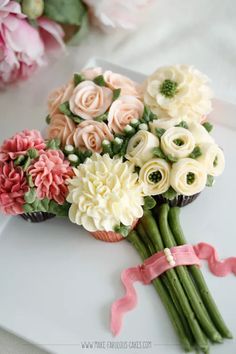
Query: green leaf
[
  {"x": 59, "y": 210},
  {"x": 208, "y": 126},
  {"x": 195, "y": 153},
  {"x": 53, "y": 144},
  {"x": 81, "y": 32},
  {"x": 99, "y": 80},
  {"x": 159, "y": 132},
  {"x": 76, "y": 119},
  {"x": 28, "y": 208},
  {"x": 26, "y": 163},
  {"x": 78, "y": 78},
  {"x": 30, "y": 181},
  {"x": 149, "y": 202},
  {"x": 19, "y": 160},
  {"x": 102, "y": 117},
  {"x": 171, "y": 158},
  {"x": 182, "y": 124},
  {"x": 30, "y": 196},
  {"x": 148, "y": 116},
  {"x": 122, "y": 229},
  {"x": 210, "y": 181},
  {"x": 158, "y": 153},
  {"x": 170, "y": 194},
  {"x": 65, "y": 11},
  {"x": 33, "y": 153},
  {"x": 65, "y": 108},
  {"x": 116, "y": 94},
  {"x": 48, "y": 119}
]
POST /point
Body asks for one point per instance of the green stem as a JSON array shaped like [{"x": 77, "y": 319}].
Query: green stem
[
  {"x": 153, "y": 233},
  {"x": 163, "y": 294},
  {"x": 196, "y": 273},
  {"x": 188, "y": 285}
]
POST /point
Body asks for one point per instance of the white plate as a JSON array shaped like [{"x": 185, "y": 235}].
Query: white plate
[{"x": 57, "y": 282}]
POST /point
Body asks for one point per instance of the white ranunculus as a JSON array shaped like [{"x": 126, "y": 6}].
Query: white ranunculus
[
  {"x": 200, "y": 134},
  {"x": 155, "y": 176},
  {"x": 178, "y": 90},
  {"x": 177, "y": 142},
  {"x": 140, "y": 147},
  {"x": 212, "y": 158},
  {"x": 163, "y": 123},
  {"x": 188, "y": 177}
]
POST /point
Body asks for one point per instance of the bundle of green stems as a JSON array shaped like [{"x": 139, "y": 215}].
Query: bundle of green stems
[{"x": 182, "y": 290}]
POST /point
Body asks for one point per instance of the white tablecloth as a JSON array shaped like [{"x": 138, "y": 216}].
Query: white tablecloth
[{"x": 199, "y": 32}]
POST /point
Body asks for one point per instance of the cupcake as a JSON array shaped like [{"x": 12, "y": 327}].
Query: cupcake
[
  {"x": 105, "y": 197},
  {"x": 33, "y": 173}
]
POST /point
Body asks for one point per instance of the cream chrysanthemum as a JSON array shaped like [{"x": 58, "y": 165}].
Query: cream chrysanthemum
[
  {"x": 177, "y": 91},
  {"x": 104, "y": 193}
]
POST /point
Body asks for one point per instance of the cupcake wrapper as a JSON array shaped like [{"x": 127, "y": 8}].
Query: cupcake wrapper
[
  {"x": 179, "y": 201},
  {"x": 38, "y": 216}
]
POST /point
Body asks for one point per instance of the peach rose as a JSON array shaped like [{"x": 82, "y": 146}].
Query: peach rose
[
  {"x": 90, "y": 134},
  {"x": 122, "y": 111},
  {"x": 59, "y": 96},
  {"x": 127, "y": 86},
  {"x": 61, "y": 127},
  {"x": 91, "y": 73},
  {"x": 90, "y": 100}
]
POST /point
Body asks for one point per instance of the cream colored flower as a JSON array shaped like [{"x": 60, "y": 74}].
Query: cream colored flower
[
  {"x": 200, "y": 134},
  {"x": 140, "y": 147},
  {"x": 59, "y": 96},
  {"x": 104, "y": 193},
  {"x": 163, "y": 123},
  {"x": 61, "y": 127},
  {"x": 212, "y": 159},
  {"x": 91, "y": 73},
  {"x": 90, "y": 134},
  {"x": 188, "y": 177},
  {"x": 177, "y": 142},
  {"x": 178, "y": 90},
  {"x": 89, "y": 100},
  {"x": 127, "y": 86},
  {"x": 122, "y": 111},
  {"x": 155, "y": 176}
]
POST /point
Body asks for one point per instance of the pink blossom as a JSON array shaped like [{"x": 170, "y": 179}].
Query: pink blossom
[
  {"x": 20, "y": 143},
  {"x": 13, "y": 186},
  {"x": 49, "y": 174}
]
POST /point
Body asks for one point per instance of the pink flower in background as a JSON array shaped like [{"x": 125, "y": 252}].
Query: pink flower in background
[
  {"x": 20, "y": 143},
  {"x": 13, "y": 186},
  {"x": 49, "y": 174},
  {"x": 113, "y": 14}
]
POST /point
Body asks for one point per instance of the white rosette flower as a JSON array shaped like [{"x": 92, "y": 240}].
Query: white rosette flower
[
  {"x": 140, "y": 147},
  {"x": 212, "y": 158},
  {"x": 200, "y": 134},
  {"x": 177, "y": 142},
  {"x": 188, "y": 177},
  {"x": 163, "y": 123},
  {"x": 155, "y": 176}
]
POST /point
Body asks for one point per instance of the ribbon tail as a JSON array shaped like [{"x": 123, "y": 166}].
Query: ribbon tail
[
  {"x": 218, "y": 267},
  {"x": 129, "y": 301}
]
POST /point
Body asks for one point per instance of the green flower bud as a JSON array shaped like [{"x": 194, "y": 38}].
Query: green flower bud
[{"x": 33, "y": 8}]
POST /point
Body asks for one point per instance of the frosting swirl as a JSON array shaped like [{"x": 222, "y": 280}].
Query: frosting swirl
[
  {"x": 155, "y": 176},
  {"x": 177, "y": 142},
  {"x": 118, "y": 81},
  {"x": 200, "y": 134},
  {"x": 163, "y": 123},
  {"x": 61, "y": 127},
  {"x": 59, "y": 96},
  {"x": 212, "y": 158}
]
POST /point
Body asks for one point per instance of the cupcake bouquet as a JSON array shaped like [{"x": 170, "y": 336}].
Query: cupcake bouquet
[{"x": 120, "y": 158}]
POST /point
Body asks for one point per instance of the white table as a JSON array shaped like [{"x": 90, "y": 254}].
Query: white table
[{"x": 200, "y": 32}]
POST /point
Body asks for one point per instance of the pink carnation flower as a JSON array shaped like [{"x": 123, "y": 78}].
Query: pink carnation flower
[
  {"x": 49, "y": 174},
  {"x": 20, "y": 143},
  {"x": 13, "y": 186}
]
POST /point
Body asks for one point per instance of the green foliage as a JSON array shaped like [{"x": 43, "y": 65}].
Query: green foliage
[
  {"x": 170, "y": 194},
  {"x": 149, "y": 202},
  {"x": 65, "y": 11}
]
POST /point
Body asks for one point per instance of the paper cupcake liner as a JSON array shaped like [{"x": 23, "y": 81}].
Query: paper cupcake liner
[
  {"x": 37, "y": 216},
  {"x": 179, "y": 201},
  {"x": 110, "y": 236}
]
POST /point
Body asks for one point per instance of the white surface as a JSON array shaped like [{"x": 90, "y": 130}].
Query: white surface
[
  {"x": 57, "y": 282},
  {"x": 200, "y": 32}
]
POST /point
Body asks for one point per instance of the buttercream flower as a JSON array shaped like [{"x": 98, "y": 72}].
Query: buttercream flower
[
  {"x": 177, "y": 142},
  {"x": 13, "y": 186},
  {"x": 155, "y": 176},
  {"x": 177, "y": 91},
  {"x": 212, "y": 159},
  {"x": 59, "y": 96},
  {"x": 49, "y": 174},
  {"x": 140, "y": 147},
  {"x": 90, "y": 134},
  {"x": 61, "y": 127},
  {"x": 127, "y": 86},
  {"x": 89, "y": 100},
  {"x": 200, "y": 134},
  {"x": 104, "y": 193},
  {"x": 122, "y": 111},
  {"x": 188, "y": 177},
  {"x": 163, "y": 123},
  {"x": 91, "y": 73},
  {"x": 20, "y": 143}
]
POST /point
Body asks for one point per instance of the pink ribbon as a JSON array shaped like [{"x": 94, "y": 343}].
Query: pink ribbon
[{"x": 159, "y": 263}]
